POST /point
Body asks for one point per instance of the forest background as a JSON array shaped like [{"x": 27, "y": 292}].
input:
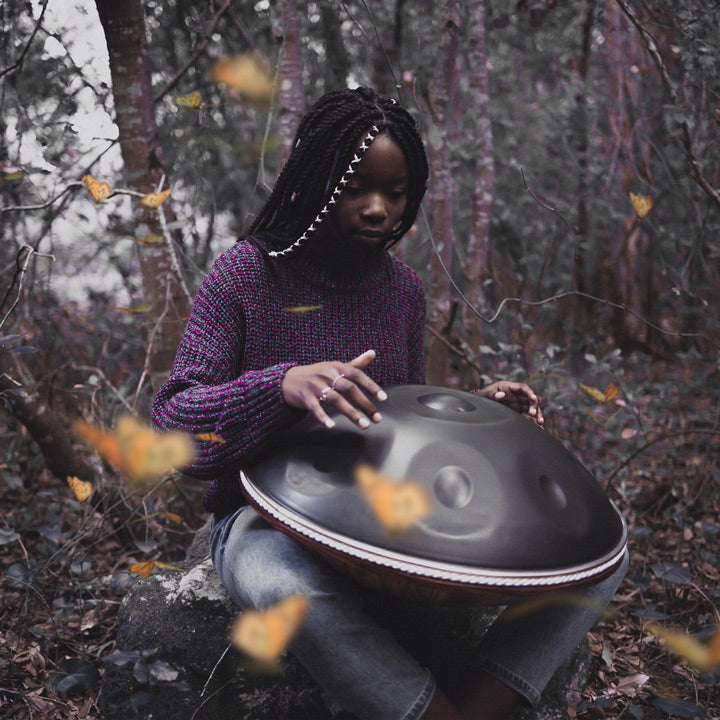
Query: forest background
[{"x": 570, "y": 238}]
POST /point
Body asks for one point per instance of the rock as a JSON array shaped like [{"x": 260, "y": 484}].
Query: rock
[{"x": 173, "y": 660}]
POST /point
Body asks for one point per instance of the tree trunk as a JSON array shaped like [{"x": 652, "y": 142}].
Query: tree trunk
[
  {"x": 443, "y": 192},
  {"x": 46, "y": 427},
  {"x": 477, "y": 261},
  {"x": 123, "y": 22},
  {"x": 290, "y": 97}
]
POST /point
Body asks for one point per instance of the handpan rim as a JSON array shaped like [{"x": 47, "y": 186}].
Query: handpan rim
[{"x": 499, "y": 586}]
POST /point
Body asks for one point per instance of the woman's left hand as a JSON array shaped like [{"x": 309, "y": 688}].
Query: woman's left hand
[{"x": 517, "y": 396}]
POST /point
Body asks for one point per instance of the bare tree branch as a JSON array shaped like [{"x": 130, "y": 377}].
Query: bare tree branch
[
  {"x": 199, "y": 51},
  {"x": 652, "y": 48},
  {"x": 18, "y": 63}
]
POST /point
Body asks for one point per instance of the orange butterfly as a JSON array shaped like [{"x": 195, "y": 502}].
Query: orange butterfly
[
  {"x": 247, "y": 75},
  {"x": 611, "y": 392},
  {"x": 99, "y": 190},
  {"x": 642, "y": 204},
  {"x": 396, "y": 504},
  {"x": 210, "y": 437},
  {"x": 264, "y": 634},
  {"x": 137, "y": 450},
  {"x": 155, "y": 200},
  {"x": 82, "y": 489}
]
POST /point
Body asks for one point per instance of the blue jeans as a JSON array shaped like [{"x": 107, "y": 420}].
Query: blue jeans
[{"x": 359, "y": 663}]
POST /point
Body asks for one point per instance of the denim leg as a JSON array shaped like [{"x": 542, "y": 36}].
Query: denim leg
[
  {"x": 358, "y": 663},
  {"x": 525, "y": 650}
]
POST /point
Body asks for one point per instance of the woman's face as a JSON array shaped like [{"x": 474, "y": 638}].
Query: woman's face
[{"x": 373, "y": 201}]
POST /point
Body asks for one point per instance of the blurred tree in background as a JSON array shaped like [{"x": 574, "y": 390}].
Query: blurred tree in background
[
  {"x": 570, "y": 237},
  {"x": 540, "y": 118}
]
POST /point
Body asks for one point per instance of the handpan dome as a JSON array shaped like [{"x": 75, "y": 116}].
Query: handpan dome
[{"x": 513, "y": 512}]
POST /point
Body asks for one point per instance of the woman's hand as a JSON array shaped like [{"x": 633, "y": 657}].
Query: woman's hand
[
  {"x": 343, "y": 385},
  {"x": 517, "y": 396}
]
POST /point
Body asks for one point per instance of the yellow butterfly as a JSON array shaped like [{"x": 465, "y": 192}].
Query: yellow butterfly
[
  {"x": 155, "y": 200},
  {"x": 396, "y": 504},
  {"x": 264, "y": 634},
  {"x": 302, "y": 309},
  {"x": 191, "y": 101},
  {"x": 82, "y": 489},
  {"x": 137, "y": 450},
  {"x": 247, "y": 75},
  {"x": 611, "y": 392},
  {"x": 134, "y": 311},
  {"x": 99, "y": 190},
  {"x": 703, "y": 657},
  {"x": 149, "y": 239},
  {"x": 642, "y": 204}
]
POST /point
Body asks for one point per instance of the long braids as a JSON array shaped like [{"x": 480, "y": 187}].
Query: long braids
[{"x": 325, "y": 154}]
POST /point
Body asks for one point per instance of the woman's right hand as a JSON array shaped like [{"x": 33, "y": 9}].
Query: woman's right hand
[{"x": 343, "y": 385}]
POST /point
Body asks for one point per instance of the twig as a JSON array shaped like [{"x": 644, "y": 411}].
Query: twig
[
  {"x": 19, "y": 276},
  {"x": 18, "y": 63},
  {"x": 19, "y": 208},
  {"x": 643, "y": 448},
  {"x": 454, "y": 348},
  {"x": 652, "y": 48},
  {"x": 562, "y": 219},
  {"x": 215, "y": 667},
  {"x": 200, "y": 50},
  {"x": 174, "y": 265}
]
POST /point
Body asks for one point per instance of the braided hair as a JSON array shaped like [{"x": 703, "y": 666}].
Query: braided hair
[{"x": 324, "y": 155}]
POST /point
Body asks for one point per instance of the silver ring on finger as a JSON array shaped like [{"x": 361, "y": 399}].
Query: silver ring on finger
[
  {"x": 341, "y": 375},
  {"x": 324, "y": 392}
]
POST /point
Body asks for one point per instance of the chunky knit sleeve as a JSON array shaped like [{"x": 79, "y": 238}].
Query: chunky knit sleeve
[{"x": 207, "y": 391}]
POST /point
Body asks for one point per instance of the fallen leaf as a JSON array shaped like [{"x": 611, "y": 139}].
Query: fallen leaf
[
  {"x": 143, "y": 569},
  {"x": 82, "y": 489}
]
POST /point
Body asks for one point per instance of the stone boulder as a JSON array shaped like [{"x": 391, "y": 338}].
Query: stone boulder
[{"x": 173, "y": 660}]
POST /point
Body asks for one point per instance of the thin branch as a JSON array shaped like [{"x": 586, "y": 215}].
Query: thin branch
[
  {"x": 18, "y": 63},
  {"x": 554, "y": 298},
  {"x": 199, "y": 51},
  {"x": 458, "y": 351},
  {"x": 19, "y": 277},
  {"x": 652, "y": 48},
  {"x": 564, "y": 221},
  {"x": 643, "y": 448},
  {"x": 47, "y": 203}
]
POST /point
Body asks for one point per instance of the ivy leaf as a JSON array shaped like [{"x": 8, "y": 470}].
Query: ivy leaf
[
  {"x": 73, "y": 676},
  {"x": 8, "y": 536},
  {"x": 675, "y": 707},
  {"x": 673, "y": 573}
]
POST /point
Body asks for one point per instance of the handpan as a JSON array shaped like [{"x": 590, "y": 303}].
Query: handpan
[{"x": 512, "y": 514}]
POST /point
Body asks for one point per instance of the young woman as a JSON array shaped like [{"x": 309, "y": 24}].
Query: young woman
[{"x": 306, "y": 312}]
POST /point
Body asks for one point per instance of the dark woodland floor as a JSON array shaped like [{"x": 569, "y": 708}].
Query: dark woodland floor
[{"x": 63, "y": 571}]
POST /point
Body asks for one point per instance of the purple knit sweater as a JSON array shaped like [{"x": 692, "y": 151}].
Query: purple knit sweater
[{"x": 242, "y": 336}]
